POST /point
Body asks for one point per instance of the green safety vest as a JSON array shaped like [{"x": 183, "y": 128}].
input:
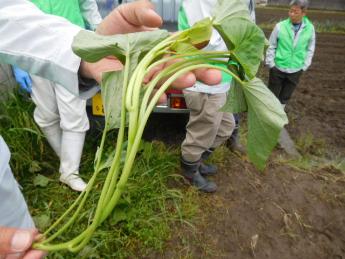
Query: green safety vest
[
  {"x": 68, "y": 9},
  {"x": 288, "y": 55},
  {"x": 183, "y": 25}
]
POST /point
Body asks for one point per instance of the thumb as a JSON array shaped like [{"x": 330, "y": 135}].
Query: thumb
[
  {"x": 13, "y": 240},
  {"x": 141, "y": 13}
]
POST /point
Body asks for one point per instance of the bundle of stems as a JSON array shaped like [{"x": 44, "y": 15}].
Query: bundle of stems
[{"x": 138, "y": 101}]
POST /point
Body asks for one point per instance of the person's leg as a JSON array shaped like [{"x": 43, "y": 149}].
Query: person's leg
[
  {"x": 13, "y": 208},
  {"x": 233, "y": 142},
  {"x": 224, "y": 128},
  {"x": 275, "y": 81},
  {"x": 46, "y": 113},
  {"x": 201, "y": 132},
  {"x": 290, "y": 83},
  {"x": 74, "y": 124}
]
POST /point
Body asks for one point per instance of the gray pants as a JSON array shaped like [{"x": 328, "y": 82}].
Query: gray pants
[
  {"x": 13, "y": 209},
  {"x": 207, "y": 127}
]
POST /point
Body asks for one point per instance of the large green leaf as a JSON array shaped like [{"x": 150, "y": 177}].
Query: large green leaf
[
  {"x": 112, "y": 90},
  {"x": 266, "y": 118},
  {"x": 92, "y": 47},
  {"x": 245, "y": 40},
  {"x": 233, "y": 8},
  {"x": 236, "y": 101}
]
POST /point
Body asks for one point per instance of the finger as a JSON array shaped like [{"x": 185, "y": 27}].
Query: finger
[
  {"x": 152, "y": 73},
  {"x": 22, "y": 85},
  {"x": 28, "y": 84},
  {"x": 162, "y": 99},
  {"x": 208, "y": 76},
  {"x": 184, "y": 81},
  {"x": 34, "y": 254},
  {"x": 140, "y": 13},
  {"x": 14, "y": 240},
  {"x": 131, "y": 17}
]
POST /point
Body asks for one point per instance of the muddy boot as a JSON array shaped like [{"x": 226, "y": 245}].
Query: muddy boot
[
  {"x": 190, "y": 170},
  {"x": 206, "y": 169},
  {"x": 234, "y": 144}
]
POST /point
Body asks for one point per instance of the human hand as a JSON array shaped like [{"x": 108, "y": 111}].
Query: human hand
[
  {"x": 23, "y": 79},
  {"x": 134, "y": 17},
  {"x": 16, "y": 243}
]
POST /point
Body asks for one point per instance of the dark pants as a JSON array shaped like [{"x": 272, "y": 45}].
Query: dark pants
[{"x": 283, "y": 84}]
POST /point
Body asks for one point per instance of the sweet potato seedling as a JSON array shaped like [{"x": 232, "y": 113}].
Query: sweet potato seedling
[{"x": 128, "y": 101}]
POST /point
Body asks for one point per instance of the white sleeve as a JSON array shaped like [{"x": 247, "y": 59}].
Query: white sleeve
[
  {"x": 271, "y": 51},
  {"x": 38, "y": 43},
  {"x": 310, "y": 52},
  {"x": 90, "y": 13},
  {"x": 13, "y": 209}
]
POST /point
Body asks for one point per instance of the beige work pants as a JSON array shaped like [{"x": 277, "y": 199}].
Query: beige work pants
[{"x": 207, "y": 127}]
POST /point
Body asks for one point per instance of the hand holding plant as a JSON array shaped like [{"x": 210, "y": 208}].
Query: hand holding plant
[{"x": 157, "y": 59}]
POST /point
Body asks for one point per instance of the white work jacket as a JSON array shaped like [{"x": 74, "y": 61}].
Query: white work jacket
[{"x": 38, "y": 43}]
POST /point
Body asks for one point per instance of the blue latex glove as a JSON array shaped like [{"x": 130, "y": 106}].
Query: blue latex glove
[{"x": 23, "y": 79}]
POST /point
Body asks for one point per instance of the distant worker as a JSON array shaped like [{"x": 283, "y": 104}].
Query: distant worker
[
  {"x": 60, "y": 114},
  {"x": 292, "y": 46}
]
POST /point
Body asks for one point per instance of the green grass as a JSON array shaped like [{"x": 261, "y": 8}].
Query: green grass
[
  {"x": 315, "y": 156},
  {"x": 154, "y": 199}
]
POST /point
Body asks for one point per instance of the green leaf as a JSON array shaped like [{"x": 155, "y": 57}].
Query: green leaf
[
  {"x": 92, "y": 47},
  {"x": 199, "y": 33},
  {"x": 236, "y": 101},
  {"x": 112, "y": 84},
  {"x": 266, "y": 119},
  {"x": 41, "y": 180},
  {"x": 245, "y": 40},
  {"x": 233, "y": 8}
]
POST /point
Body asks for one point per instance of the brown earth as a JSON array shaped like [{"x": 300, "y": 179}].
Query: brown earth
[
  {"x": 284, "y": 212},
  {"x": 269, "y": 15}
]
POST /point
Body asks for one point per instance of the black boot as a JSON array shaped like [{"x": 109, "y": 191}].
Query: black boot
[
  {"x": 190, "y": 171},
  {"x": 234, "y": 144},
  {"x": 206, "y": 169}
]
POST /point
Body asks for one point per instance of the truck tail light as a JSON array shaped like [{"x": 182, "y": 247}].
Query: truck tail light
[{"x": 177, "y": 102}]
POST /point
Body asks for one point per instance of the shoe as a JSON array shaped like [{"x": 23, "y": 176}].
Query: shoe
[
  {"x": 234, "y": 145},
  {"x": 207, "y": 169},
  {"x": 74, "y": 181},
  {"x": 190, "y": 170},
  {"x": 53, "y": 135},
  {"x": 71, "y": 150}
]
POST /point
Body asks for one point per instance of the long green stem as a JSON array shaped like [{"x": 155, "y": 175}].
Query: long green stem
[{"x": 83, "y": 194}]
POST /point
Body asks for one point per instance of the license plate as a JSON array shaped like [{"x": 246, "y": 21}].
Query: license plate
[{"x": 97, "y": 105}]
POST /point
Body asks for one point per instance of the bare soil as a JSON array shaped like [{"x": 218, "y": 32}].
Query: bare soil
[{"x": 283, "y": 212}]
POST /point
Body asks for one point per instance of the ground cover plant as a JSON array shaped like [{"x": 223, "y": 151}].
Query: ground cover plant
[
  {"x": 150, "y": 205},
  {"x": 129, "y": 101}
]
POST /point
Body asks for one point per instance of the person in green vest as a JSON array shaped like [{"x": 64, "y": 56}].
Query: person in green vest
[
  {"x": 61, "y": 115},
  {"x": 292, "y": 46}
]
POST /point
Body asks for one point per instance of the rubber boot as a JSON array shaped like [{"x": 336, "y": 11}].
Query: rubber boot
[
  {"x": 190, "y": 171},
  {"x": 53, "y": 135},
  {"x": 71, "y": 150},
  {"x": 206, "y": 169},
  {"x": 234, "y": 144}
]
